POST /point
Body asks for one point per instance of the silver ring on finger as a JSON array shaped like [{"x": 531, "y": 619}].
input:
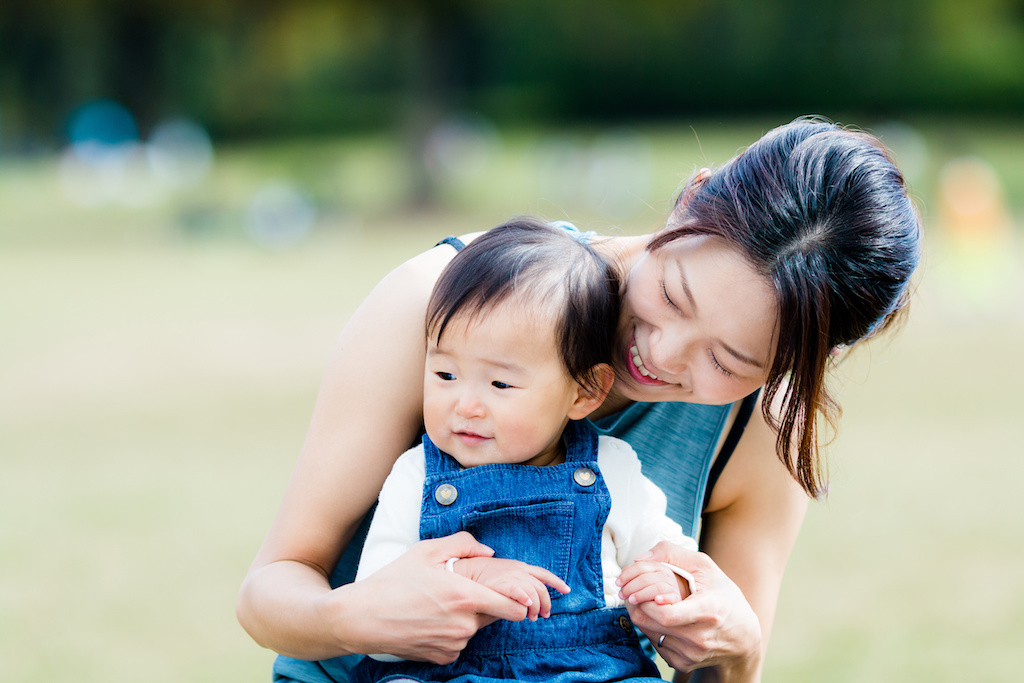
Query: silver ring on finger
[{"x": 662, "y": 639}]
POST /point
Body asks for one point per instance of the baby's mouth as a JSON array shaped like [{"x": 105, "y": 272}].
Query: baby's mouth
[
  {"x": 638, "y": 363},
  {"x": 469, "y": 437}
]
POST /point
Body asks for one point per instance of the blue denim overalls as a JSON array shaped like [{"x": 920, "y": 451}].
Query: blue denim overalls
[{"x": 551, "y": 517}]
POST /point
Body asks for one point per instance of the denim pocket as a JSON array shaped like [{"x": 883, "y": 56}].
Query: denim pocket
[{"x": 535, "y": 533}]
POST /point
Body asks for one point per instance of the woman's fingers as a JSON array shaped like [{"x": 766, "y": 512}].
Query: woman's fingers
[
  {"x": 678, "y": 646},
  {"x": 461, "y": 545},
  {"x": 459, "y": 595}
]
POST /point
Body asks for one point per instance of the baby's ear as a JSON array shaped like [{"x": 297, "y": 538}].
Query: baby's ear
[{"x": 591, "y": 397}]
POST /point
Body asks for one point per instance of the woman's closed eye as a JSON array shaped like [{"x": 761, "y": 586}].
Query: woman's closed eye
[
  {"x": 718, "y": 366},
  {"x": 667, "y": 299}
]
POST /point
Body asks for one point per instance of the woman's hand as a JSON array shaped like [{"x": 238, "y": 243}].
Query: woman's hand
[
  {"x": 416, "y": 609},
  {"x": 713, "y": 627}
]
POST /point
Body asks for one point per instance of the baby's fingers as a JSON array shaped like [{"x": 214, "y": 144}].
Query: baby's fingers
[
  {"x": 657, "y": 586},
  {"x": 541, "y": 606},
  {"x": 550, "y": 579},
  {"x": 523, "y": 596},
  {"x": 542, "y": 601},
  {"x": 660, "y": 593}
]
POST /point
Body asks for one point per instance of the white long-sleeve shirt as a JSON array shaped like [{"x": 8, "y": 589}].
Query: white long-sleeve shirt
[{"x": 636, "y": 521}]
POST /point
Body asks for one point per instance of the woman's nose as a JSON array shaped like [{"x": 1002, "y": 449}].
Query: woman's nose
[{"x": 669, "y": 352}]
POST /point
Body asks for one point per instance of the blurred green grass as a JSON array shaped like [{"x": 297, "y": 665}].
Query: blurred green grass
[{"x": 156, "y": 378}]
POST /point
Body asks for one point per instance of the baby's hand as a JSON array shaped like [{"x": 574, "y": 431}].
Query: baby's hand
[
  {"x": 649, "y": 581},
  {"x": 524, "y": 583}
]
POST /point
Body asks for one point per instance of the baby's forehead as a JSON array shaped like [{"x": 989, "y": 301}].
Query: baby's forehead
[
  {"x": 525, "y": 317},
  {"x": 514, "y": 338}
]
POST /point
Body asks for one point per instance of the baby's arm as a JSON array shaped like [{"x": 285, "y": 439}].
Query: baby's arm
[
  {"x": 639, "y": 505},
  {"x": 524, "y": 583}
]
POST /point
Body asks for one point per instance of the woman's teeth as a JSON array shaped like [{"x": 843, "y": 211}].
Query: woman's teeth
[{"x": 640, "y": 364}]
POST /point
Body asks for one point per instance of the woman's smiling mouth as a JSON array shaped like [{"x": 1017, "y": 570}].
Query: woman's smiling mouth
[
  {"x": 639, "y": 364},
  {"x": 638, "y": 370}
]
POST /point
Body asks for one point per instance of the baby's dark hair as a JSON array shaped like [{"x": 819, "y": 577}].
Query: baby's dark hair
[{"x": 550, "y": 267}]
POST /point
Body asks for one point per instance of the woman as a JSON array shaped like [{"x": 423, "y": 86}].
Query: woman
[{"x": 802, "y": 244}]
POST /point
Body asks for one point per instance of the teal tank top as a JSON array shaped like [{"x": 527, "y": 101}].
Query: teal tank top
[{"x": 676, "y": 444}]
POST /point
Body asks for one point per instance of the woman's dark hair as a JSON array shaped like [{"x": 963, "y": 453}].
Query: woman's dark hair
[
  {"x": 555, "y": 271},
  {"x": 822, "y": 213}
]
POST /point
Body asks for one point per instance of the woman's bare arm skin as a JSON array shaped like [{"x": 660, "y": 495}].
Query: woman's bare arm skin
[
  {"x": 368, "y": 411},
  {"x": 755, "y": 505},
  {"x": 752, "y": 523}
]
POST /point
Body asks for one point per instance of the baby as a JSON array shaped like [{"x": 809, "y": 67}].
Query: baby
[{"x": 519, "y": 332}]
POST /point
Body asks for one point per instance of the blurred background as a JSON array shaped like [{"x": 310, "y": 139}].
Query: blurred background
[{"x": 195, "y": 195}]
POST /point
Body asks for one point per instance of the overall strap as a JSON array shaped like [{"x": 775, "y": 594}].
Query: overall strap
[
  {"x": 580, "y": 440},
  {"x": 436, "y": 461}
]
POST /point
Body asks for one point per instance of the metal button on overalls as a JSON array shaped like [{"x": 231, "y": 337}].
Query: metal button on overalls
[
  {"x": 584, "y": 476},
  {"x": 445, "y": 494}
]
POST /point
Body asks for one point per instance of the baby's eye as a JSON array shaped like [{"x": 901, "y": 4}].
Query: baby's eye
[
  {"x": 446, "y": 376},
  {"x": 500, "y": 385}
]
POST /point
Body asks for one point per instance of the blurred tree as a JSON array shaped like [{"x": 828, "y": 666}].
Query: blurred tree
[{"x": 263, "y": 67}]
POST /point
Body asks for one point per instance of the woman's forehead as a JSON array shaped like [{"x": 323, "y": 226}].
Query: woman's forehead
[{"x": 708, "y": 249}]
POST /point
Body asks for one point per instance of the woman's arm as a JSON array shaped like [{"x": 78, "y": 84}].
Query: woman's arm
[
  {"x": 749, "y": 529},
  {"x": 368, "y": 411},
  {"x": 753, "y": 520}
]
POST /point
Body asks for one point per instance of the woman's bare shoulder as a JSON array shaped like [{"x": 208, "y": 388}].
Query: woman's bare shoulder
[
  {"x": 399, "y": 299},
  {"x": 380, "y": 352},
  {"x": 423, "y": 269}
]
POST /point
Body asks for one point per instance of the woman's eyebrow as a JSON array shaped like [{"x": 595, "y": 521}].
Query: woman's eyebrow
[
  {"x": 686, "y": 290},
  {"x": 742, "y": 357}
]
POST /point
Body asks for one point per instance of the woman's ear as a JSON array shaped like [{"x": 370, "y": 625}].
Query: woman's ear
[
  {"x": 589, "y": 398},
  {"x": 686, "y": 194}
]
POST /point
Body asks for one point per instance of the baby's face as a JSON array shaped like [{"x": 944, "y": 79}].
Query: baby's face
[{"x": 496, "y": 390}]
